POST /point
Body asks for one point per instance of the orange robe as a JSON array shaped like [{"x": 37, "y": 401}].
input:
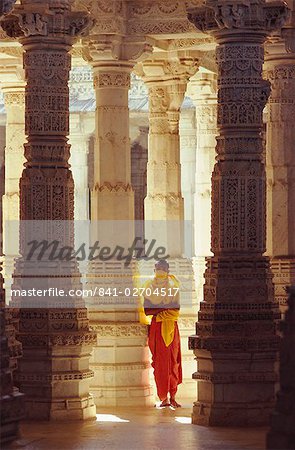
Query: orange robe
[{"x": 166, "y": 360}]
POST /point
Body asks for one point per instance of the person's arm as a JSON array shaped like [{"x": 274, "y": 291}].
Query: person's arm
[{"x": 156, "y": 311}]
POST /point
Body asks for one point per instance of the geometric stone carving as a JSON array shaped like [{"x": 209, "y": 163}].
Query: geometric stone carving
[
  {"x": 237, "y": 319},
  {"x": 140, "y": 18}
]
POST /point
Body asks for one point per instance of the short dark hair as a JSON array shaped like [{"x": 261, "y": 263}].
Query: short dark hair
[{"x": 162, "y": 264}]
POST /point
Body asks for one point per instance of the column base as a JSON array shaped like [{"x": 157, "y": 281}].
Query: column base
[
  {"x": 232, "y": 415},
  {"x": 54, "y": 371},
  {"x": 238, "y": 391},
  {"x": 236, "y": 345},
  {"x": 76, "y": 408},
  {"x": 119, "y": 396},
  {"x": 120, "y": 360}
]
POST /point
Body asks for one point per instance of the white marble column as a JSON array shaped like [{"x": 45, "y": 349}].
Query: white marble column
[
  {"x": 188, "y": 143},
  {"x": 120, "y": 359},
  {"x": 81, "y": 129},
  {"x": 166, "y": 80},
  {"x": 203, "y": 92},
  {"x": 11, "y": 400},
  {"x": 280, "y": 161},
  {"x": 13, "y": 87},
  {"x": 113, "y": 197}
]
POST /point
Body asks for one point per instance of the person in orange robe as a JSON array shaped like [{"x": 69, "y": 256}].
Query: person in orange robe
[{"x": 163, "y": 338}]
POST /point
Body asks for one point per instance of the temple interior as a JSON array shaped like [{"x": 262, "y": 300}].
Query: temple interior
[{"x": 164, "y": 129}]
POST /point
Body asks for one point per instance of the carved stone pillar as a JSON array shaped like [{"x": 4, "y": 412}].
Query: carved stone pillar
[
  {"x": 202, "y": 90},
  {"x": 280, "y": 160},
  {"x": 112, "y": 196},
  {"x": 54, "y": 371},
  {"x": 166, "y": 80},
  {"x": 236, "y": 343},
  {"x": 13, "y": 87},
  {"x": 120, "y": 358},
  {"x": 11, "y": 410}
]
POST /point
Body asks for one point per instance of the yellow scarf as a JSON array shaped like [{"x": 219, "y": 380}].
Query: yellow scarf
[{"x": 168, "y": 317}]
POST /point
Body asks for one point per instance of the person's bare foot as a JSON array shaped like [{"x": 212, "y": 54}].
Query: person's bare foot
[
  {"x": 164, "y": 403},
  {"x": 174, "y": 403}
]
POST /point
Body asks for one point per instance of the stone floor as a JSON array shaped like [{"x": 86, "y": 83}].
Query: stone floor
[{"x": 137, "y": 429}]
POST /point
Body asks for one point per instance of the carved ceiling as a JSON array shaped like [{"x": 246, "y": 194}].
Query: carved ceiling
[{"x": 163, "y": 22}]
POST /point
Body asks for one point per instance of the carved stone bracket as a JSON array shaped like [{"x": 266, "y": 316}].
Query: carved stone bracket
[{"x": 125, "y": 50}]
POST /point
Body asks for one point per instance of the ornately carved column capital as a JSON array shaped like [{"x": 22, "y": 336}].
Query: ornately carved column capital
[
  {"x": 167, "y": 80},
  {"x": 53, "y": 19},
  {"x": 227, "y": 17}
]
